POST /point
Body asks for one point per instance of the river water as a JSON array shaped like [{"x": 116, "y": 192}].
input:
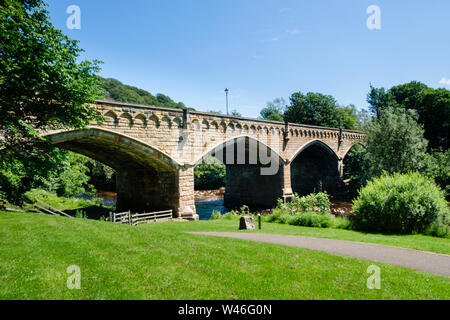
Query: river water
[{"x": 212, "y": 200}]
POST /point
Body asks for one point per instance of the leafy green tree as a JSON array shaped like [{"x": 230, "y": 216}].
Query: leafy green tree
[
  {"x": 117, "y": 91},
  {"x": 209, "y": 175},
  {"x": 395, "y": 142},
  {"x": 235, "y": 113},
  {"x": 274, "y": 110},
  {"x": 101, "y": 176},
  {"x": 432, "y": 106},
  {"x": 438, "y": 167},
  {"x": 69, "y": 179},
  {"x": 42, "y": 85},
  {"x": 320, "y": 110}
]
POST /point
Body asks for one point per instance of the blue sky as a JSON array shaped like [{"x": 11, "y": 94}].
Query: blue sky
[{"x": 192, "y": 50}]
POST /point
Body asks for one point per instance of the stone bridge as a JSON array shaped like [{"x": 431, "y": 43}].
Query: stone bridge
[{"x": 155, "y": 150}]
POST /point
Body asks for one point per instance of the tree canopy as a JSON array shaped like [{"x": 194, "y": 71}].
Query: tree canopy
[
  {"x": 274, "y": 110},
  {"x": 320, "y": 110},
  {"x": 42, "y": 85},
  {"x": 117, "y": 91},
  {"x": 431, "y": 105}
]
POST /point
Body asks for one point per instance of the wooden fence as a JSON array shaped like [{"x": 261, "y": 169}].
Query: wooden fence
[
  {"x": 46, "y": 208},
  {"x": 139, "y": 218}
]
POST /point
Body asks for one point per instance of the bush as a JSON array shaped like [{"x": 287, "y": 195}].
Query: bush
[
  {"x": 312, "y": 219},
  {"x": 216, "y": 215},
  {"x": 310, "y": 211},
  {"x": 401, "y": 203},
  {"x": 314, "y": 202}
]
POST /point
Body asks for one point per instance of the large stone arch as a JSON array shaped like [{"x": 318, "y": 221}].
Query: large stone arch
[
  {"x": 147, "y": 178},
  {"x": 254, "y": 171},
  {"x": 312, "y": 143},
  {"x": 315, "y": 167},
  {"x": 219, "y": 145},
  {"x": 350, "y": 147}
]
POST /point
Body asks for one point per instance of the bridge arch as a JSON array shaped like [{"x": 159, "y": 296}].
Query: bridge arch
[
  {"x": 315, "y": 168},
  {"x": 220, "y": 145},
  {"x": 312, "y": 143},
  {"x": 147, "y": 178},
  {"x": 254, "y": 171}
]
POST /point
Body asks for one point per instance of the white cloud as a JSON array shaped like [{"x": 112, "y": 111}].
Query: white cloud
[
  {"x": 293, "y": 32},
  {"x": 445, "y": 81}
]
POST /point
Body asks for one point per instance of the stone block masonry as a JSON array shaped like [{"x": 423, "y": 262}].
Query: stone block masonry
[{"x": 155, "y": 150}]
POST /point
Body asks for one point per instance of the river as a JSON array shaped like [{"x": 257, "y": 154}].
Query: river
[{"x": 208, "y": 201}]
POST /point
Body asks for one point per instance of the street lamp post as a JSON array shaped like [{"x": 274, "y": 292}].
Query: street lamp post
[{"x": 226, "y": 93}]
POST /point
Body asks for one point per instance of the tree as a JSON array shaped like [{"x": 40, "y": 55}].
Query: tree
[
  {"x": 432, "y": 106},
  {"x": 274, "y": 110},
  {"x": 320, "y": 110},
  {"x": 42, "y": 85},
  {"x": 395, "y": 142},
  {"x": 235, "y": 113}
]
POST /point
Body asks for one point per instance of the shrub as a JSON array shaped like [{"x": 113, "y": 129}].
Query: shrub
[
  {"x": 216, "y": 215},
  {"x": 317, "y": 202},
  {"x": 342, "y": 223},
  {"x": 401, "y": 203},
  {"x": 310, "y": 211},
  {"x": 312, "y": 219}
]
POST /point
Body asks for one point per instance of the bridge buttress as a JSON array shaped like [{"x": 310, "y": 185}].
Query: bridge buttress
[
  {"x": 287, "y": 188},
  {"x": 186, "y": 195}
]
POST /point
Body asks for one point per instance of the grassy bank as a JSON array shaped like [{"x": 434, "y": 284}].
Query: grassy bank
[{"x": 161, "y": 261}]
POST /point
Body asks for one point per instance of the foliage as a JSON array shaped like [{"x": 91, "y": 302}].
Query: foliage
[
  {"x": 101, "y": 176},
  {"x": 60, "y": 203},
  {"x": 117, "y": 91},
  {"x": 216, "y": 215},
  {"x": 274, "y": 110},
  {"x": 81, "y": 214},
  {"x": 395, "y": 142},
  {"x": 70, "y": 178},
  {"x": 42, "y": 84},
  {"x": 310, "y": 211},
  {"x": 355, "y": 167},
  {"x": 431, "y": 105},
  {"x": 320, "y": 110},
  {"x": 438, "y": 167},
  {"x": 400, "y": 203},
  {"x": 315, "y": 202},
  {"x": 209, "y": 175},
  {"x": 235, "y": 113}
]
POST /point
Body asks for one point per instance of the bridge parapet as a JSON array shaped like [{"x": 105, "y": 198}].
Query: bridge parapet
[{"x": 188, "y": 139}]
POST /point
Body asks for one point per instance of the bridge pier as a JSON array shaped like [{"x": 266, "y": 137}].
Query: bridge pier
[
  {"x": 287, "y": 187},
  {"x": 185, "y": 203}
]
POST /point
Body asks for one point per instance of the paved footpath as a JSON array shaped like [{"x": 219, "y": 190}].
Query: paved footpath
[{"x": 414, "y": 259}]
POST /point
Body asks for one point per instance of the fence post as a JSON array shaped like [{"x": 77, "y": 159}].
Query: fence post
[
  {"x": 129, "y": 218},
  {"x": 110, "y": 217}
]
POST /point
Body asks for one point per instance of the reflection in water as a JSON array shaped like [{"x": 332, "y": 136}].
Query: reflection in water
[{"x": 109, "y": 198}]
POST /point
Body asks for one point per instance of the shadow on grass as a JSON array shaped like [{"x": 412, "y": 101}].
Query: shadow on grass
[{"x": 94, "y": 212}]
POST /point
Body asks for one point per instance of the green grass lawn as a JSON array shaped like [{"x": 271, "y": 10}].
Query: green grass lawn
[
  {"x": 162, "y": 261},
  {"x": 418, "y": 242}
]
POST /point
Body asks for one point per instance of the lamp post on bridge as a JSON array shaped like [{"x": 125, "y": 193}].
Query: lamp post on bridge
[{"x": 226, "y": 94}]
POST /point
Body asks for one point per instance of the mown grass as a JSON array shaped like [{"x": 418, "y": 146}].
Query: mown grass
[
  {"x": 417, "y": 242},
  {"x": 162, "y": 261}
]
